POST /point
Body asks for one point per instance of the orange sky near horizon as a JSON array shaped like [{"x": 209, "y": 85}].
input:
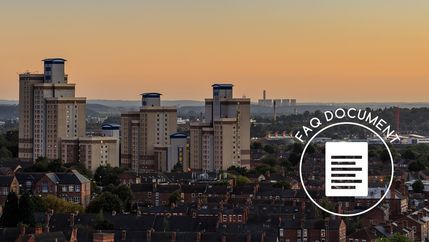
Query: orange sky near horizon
[{"x": 325, "y": 51}]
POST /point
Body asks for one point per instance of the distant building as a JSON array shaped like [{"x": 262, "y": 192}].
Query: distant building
[
  {"x": 223, "y": 138},
  {"x": 144, "y": 130},
  {"x": 91, "y": 151},
  {"x": 48, "y": 111},
  {"x": 175, "y": 153}
]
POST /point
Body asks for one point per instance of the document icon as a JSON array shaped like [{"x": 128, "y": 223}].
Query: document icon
[{"x": 346, "y": 169}]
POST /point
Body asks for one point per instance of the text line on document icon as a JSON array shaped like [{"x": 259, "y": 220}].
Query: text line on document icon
[{"x": 346, "y": 169}]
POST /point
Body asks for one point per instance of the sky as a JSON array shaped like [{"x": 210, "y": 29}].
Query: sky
[{"x": 314, "y": 51}]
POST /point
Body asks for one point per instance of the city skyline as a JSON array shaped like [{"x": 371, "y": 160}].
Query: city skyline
[{"x": 292, "y": 49}]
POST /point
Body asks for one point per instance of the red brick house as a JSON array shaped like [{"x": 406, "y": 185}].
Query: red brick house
[
  {"x": 7, "y": 184},
  {"x": 302, "y": 230}
]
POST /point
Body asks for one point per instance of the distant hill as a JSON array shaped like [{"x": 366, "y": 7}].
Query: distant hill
[
  {"x": 137, "y": 103},
  {"x": 9, "y": 108}
]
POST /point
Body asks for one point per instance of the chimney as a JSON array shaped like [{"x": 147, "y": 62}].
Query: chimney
[
  {"x": 73, "y": 236},
  {"x": 149, "y": 235},
  {"x": 173, "y": 236},
  {"x": 38, "y": 229},
  {"x": 123, "y": 235},
  {"x": 198, "y": 239},
  {"x": 248, "y": 237},
  {"x": 263, "y": 236}
]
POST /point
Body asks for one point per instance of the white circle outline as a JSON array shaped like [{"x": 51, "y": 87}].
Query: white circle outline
[{"x": 308, "y": 194}]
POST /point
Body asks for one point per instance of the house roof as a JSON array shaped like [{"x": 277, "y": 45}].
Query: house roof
[{"x": 6, "y": 181}]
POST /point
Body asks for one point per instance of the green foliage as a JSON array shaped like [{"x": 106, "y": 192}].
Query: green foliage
[
  {"x": 286, "y": 164},
  {"x": 42, "y": 204},
  {"x": 26, "y": 210},
  {"x": 9, "y": 217},
  {"x": 8, "y": 145},
  {"x": 174, "y": 198},
  {"x": 256, "y": 146},
  {"x": 237, "y": 170},
  {"x": 123, "y": 192},
  {"x": 42, "y": 164},
  {"x": 241, "y": 180},
  {"x": 409, "y": 154},
  {"x": 418, "y": 186},
  {"x": 294, "y": 158},
  {"x": 263, "y": 169},
  {"x": 416, "y": 166},
  {"x": 178, "y": 167},
  {"x": 269, "y": 149},
  {"x": 395, "y": 238},
  {"x": 269, "y": 160},
  {"x": 105, "y": 175},
  {"x": 106, "y": 201}
]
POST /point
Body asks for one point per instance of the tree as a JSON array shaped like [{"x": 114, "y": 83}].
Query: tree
[
  {"x": 11, "y": 209},
  {"x": 409, "y": 154},
  {"x": 269, "y": 160},
  {"x": 416, "y": 166},
  {"x": 384, "y": 155},
  {"x": 125, "y": 194},
  {"x": 55, "y": 166},
  {"x": 5, "y": 154},
  {"x": 256, "y": 146},
  {"x": 106, "y": 201},
  {"x": 26, "y": 210},
  {"x": 395, "y": 238},
  {"x": 241, "y": 180},
  {"x": 174, "y": 198},
  {"x": 294, "y": 158},
  {"x": 237, "y": 170},
  {"x": 269, "y": 149},
  {"x": 42, "y": 204},
  {"x": 418, "y": 186},
  {"x": 105, "y": 175},
  {"x": 178, "y": 167}
]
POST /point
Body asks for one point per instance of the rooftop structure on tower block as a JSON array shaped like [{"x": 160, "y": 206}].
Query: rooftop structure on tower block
[
  {"x": 48, "y": 111},
  {"x": 146, "y": 134},
  {"x": 222, "y": 139}
]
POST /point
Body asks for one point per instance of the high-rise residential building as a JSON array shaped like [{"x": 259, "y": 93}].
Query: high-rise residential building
[
  {"x": 143, "y": 130},
  {"x": 48, "y": 111},
  {"x": 92, "y": 151},
  {"x": 168, "y": 156},
  {"x": 222, "y": 139}
]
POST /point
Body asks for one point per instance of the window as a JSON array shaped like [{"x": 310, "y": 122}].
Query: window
[
  {"x": 77, "y": 188},
  {"x": 64, "y": 188},
  {"x": 322, "y": 233},
  {"x": 304, "y": 232},
  {"x": 71, "y": 188},
  {"x": 45, "y": 187}
]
